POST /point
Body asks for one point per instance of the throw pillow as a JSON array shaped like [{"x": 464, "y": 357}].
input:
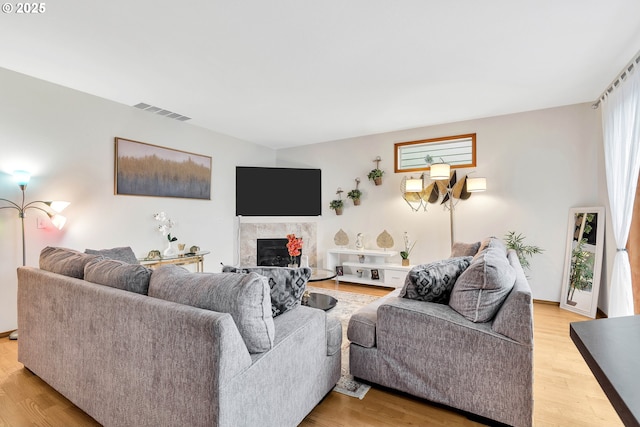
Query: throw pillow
[
  {"x": 124, "y": 253},
  {"x": 482, "y": 288},
  {"x": 491, "y": 242},
  {"x": 244, "y": 296},
  {"x": 433, "y": 282},
  {"x": 118, "y": 274},
  {"x": 67, "y": 262},
  {"x": 287, "y": 285},
  {"x": 464, "y": 249}
]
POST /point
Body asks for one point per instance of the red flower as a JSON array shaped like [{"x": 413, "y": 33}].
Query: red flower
[{"x": 294, "y": 245}]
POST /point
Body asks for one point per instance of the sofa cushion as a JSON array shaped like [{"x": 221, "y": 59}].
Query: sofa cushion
[
  {"x": 245, "y": 296},
  {"x": 464, "y": 249},
  {"x": 124, "y": 253},
  {"x": 67, "y": 262},
  {"x": 482, "y": 288},
  {"x": 287, "y": 284},
  {"x": 491, "y": 242},
  {"x": 118, "y": 274},
  {"x": 433, "y": 282}
]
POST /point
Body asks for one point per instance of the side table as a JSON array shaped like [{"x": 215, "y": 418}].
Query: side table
[{"x": 197, "y": 259}]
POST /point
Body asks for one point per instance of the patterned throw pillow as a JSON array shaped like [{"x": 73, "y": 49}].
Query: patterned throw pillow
[
  {"x": 287, "y": 285},
  {"x": 433, "y": 282}
]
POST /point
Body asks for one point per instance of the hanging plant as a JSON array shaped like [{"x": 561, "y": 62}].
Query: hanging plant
[
  {"x": 355, "y": 194},
  {"x": 376, "y": 174},
  {"x": 338, "y": 203}
]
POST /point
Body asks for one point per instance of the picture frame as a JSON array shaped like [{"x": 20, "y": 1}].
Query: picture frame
[
  {"x": 583, "y": 260},
  {"x": 143, "y": 169},
  {"x": 375, "y": 274},
  {"x": 339, "y": 270}
]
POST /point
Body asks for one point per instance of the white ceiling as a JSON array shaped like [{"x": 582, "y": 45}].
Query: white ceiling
[{"x": 291, "y": 72}]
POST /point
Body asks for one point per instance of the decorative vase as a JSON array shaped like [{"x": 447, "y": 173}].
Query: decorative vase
[
  {"x": 405, "y": 261},
  {"x": 171, "y": 249}
]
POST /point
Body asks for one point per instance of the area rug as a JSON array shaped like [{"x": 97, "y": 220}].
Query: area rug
[{"x": 348, "y": 303}]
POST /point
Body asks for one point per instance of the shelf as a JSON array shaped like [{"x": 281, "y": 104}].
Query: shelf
[
  {"x": 366, "y": 252},
  {"x": 384, "y": 266},
  {"x": 362, "y": 280}
]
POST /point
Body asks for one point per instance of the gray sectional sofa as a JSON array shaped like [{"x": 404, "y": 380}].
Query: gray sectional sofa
[
  {"x": 135, "y": 347},
  {"x": 472, "y": 350}
]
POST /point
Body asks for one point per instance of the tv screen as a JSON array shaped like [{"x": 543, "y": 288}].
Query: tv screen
[{"x": 262, "y": 191}]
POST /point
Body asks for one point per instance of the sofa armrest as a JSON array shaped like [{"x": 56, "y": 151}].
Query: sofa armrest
[
  {"x": 362, "y": 324},
  {"x": 515, "y": 317}
]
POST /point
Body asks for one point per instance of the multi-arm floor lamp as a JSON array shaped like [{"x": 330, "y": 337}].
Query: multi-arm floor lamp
[{"x": 51, "y": 208}]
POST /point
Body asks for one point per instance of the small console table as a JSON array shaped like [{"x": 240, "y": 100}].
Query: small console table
[
  {"x": 197, "y": 259},
  {"x": 371, "y": 263}
]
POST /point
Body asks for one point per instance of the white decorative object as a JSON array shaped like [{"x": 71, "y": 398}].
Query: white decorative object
[{"x": 359, "y": 243}]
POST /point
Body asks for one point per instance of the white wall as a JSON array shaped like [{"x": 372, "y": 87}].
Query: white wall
[
  {"x": 537, "y": 164},
  {"x": 66, "y": 140}
]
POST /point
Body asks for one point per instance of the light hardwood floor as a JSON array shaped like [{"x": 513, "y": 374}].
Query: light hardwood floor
[{"x": 565, "y": 392}]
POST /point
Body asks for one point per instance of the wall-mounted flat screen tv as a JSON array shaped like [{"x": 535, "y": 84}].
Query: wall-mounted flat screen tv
[{"x": 266, "y": 191}]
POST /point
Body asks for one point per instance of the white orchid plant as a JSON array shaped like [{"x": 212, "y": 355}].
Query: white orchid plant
[
  {"x": 408, "y": 247},
  {"x": 165, "y": 226}
]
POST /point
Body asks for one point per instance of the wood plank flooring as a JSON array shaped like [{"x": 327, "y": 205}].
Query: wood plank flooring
[{"x": 565, "y": 392}]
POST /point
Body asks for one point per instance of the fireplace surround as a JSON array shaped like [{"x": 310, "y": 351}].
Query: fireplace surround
[{"x": 250, "y": 232}]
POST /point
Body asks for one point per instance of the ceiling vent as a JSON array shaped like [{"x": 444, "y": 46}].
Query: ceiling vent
[{"x": 162, "y": 112}]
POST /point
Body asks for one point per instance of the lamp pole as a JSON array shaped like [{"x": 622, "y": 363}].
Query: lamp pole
[{"x": 57, "y": 220}]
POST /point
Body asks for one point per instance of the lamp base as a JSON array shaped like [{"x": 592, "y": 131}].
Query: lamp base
[{"x": 13, "y": 335}]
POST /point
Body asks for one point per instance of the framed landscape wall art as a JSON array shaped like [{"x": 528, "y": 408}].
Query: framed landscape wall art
[{"x": 149, "y": 170}]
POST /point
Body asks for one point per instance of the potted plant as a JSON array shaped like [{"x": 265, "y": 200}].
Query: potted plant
[
  {"x": 355, "y": 196},
  {"x": 337, "y": 206},
  {"x": 516, "y": 242},
  {"x": 376, "y": 176},
  {"x": 408, "y": 247}
]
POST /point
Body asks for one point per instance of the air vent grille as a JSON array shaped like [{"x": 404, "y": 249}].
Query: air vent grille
[{"x": 162, "y": 112}]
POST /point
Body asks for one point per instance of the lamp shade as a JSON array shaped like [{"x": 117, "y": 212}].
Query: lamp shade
[
  {"x": 58, "y": 221},
  {"x": 476, "y": 185},
  {"x": 413, "y": 185},
  {"x": 21, "y": 177},
  {"x": 440, "y": 171},
  {"x": 58, "y": 205}
]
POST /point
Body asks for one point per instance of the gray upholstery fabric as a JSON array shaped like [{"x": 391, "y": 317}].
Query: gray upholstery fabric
[
  {"x": 464, "y": 249},
  {"x": 431, "y": 351},
  {"x": 491, "y": 242},
  {"x": 67, "y": 262},
  {"x": 434, "y": 281},
  {"x": 287, "y": 284},
  {"x": 118, "y": 274},
  {"x": 132, "y": 360},
  {"x": 124, "y": 254},
  {"x": 245, "y": 297},
  {"x": 479, "y": 291}
]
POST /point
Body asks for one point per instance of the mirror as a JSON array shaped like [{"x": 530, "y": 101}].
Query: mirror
[
  {"x": 583, "y": 261},
  {"x": 459, "y": 151}
]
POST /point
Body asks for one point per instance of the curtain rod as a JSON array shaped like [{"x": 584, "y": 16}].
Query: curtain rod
[{"x": 618, "y": 80}]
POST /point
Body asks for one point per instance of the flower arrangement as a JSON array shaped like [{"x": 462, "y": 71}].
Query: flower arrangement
[
  {"x": 294, "y": 245},
  {"x": 408, "y": 247},
  {"x": 165, "y": 226}
]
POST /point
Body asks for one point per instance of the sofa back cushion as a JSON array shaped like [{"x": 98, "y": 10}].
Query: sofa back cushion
[
  {"x": 118, "y": 274},
  {"x": 124, "y": 254},
  {"x": 433, "y": 282},
  {"x": 245, "y": 296},
  {"x": 464, "y": 249},
  {"x": 67, "y": 262},
  {"x": 481, "y": 289},
  {"x": 287, "y": 285}
]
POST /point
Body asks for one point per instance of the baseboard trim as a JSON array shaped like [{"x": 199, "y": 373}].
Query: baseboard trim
[
  {"x": 542, "y": 301},
  {"x": 5, "y": 334}
]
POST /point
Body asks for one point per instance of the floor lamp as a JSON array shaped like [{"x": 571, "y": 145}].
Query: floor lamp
[{"x": 51, "y": 208}]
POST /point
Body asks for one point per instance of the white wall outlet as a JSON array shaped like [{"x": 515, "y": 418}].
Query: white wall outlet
[{"x": 41, "y": 222}]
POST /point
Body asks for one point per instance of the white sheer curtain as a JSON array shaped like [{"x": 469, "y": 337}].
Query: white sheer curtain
[{"x": 621, "y": 127}]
